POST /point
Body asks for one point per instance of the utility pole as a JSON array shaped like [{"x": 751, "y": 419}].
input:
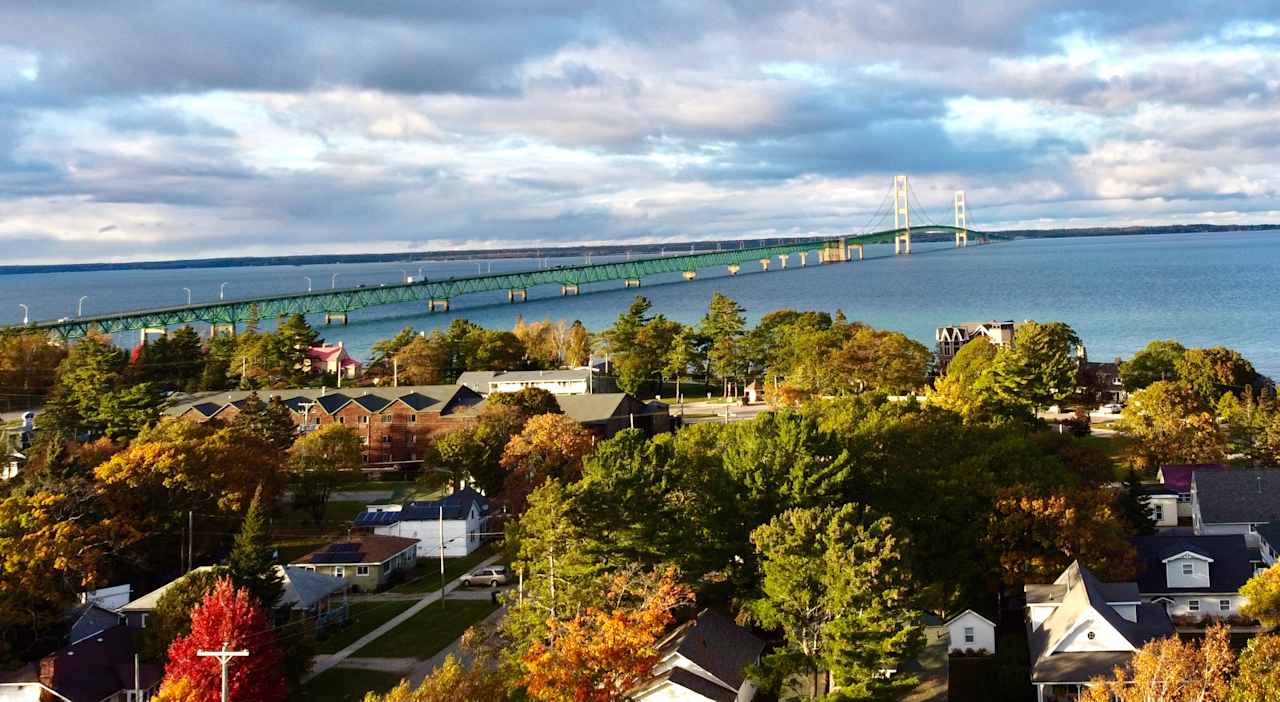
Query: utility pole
[
  {"x": 395, "y": 372},
  {"x": 224, "y": 657},
  {"x": 442, "y": 593},
  {"x": 191, "y": 540}
]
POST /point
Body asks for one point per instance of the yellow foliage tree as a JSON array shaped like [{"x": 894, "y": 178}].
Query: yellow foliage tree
[
  {"x": 1258, "y": 677},
  {"x": 1171, "y": 670}
]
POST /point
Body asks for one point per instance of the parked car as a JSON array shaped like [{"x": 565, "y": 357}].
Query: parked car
[
  {"x": 1112, "y": 409},
  {"x": 492, "y": 576}
]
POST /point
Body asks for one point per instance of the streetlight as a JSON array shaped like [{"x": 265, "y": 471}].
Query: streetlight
[
  {"x": 222, "y": 289},
  {"x": 419, "y": 273},
  {"x": 333, "y": 282},
  {"x": 188, "y": 296},
  {"x": 404, "y": 276},
  {"x": 24, "y": 313},
  {"x": 308, "y": 278},
  {"x": 80, "y": 305}
]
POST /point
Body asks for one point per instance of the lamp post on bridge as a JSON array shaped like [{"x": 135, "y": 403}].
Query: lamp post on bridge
[
  {"x": 25, "y": 313},
  {"x": 308, "y": 279},
  {"x": 188, "y": 296},
  {"x": 333, "y": 281},
  {"x": 404, "y": 276},
  {"x": 80, "y": 305},
  {"x": 222, "y": 290}
]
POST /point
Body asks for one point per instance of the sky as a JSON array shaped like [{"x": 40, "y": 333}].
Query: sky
[{"x": 181, "y": 129}]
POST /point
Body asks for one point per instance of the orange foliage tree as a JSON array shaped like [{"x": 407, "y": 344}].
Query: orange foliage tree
[
  {"x": 1171, "y": 670},
  {"x": 602, "y": 653},
  {"x": 549, "y": 446},
  {"x": 230, "y": 616}
]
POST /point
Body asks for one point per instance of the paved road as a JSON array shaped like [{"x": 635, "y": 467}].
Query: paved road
[
  {"x": 425, "y": 668},
  {"x": 323, "y": 663},
  {"x": 723, "y": 412}
]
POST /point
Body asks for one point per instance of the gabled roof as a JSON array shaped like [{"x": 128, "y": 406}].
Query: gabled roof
[
  {"x": 417, "y": 401},
  {"x": 304, "y": 589},
  {"x": 456, "y": 506},
  {"x": 332, "y": 403},
  {"x": 969, "y": 611},
  {"x": 325, "y": 353},
  {"x": 717, "y": 645},
  {"x": 148, "y": 602},
  {"x": 1229, "y": 570},
  {"x": 1178, "y": 475},
  {"x": 585, "y": 409},
  {"x": 446, "y": 399},
  {"x": 373, "y": 403},
  {"x": 90, "y": 670},
  {"x": 1237, "y": 496},
  {"x": 90, "y": 619},
  {"x": 359, "y": 549}
]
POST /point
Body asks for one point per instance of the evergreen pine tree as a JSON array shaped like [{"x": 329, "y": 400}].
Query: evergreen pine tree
[
  {"x": 269, "y": 421},
  {"x": 1135, "y": 507},
  {"x": 251, "y": 564}
]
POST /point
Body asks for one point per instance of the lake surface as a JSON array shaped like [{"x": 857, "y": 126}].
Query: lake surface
[{"x": 1117, "y": 292}]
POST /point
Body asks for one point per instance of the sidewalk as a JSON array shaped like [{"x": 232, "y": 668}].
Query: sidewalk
[{"x": 323, "y": 663}]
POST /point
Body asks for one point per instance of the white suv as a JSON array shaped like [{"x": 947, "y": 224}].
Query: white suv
[{"x": 492, "y": 576}]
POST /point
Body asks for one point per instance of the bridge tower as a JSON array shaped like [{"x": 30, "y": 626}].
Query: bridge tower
[
  {"x": 901, "y": 216},
  {"x": 962, "y": 221}
]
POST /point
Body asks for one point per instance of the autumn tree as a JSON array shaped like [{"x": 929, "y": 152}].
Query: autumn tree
[
  {"x": 381, "y": 368},
  {"x": 578, "y": 347},
  {"x": 227, "y": 616},
  {"x": 961, "y": 389},
  {"x": 1258, "y": 676},
  {"x": 841, "y": 597},
  {"x": 473, "y": 452},
  {"x": 28, "y": 363},
  {"x": 321, "y": 462},
  {"x": 1171, "y": 670},
  {"x": 172, "y": 615},
  {"x": 602, "y": 653},
  {"x": 423, "y": 361},
  {"x": 530, "y": 401},
  {"x": 1209, "y": 373},
  {"x": 1263, "y": 594},
  {"x": 1157, "y": 361},
  {"x": 1035, "y": 533},
  {"x": 451, "y": 681},
  {"x": 1170, "y": 424},
  {"x": 549, "y": 446},
  {"x": 883, "y": 360}
]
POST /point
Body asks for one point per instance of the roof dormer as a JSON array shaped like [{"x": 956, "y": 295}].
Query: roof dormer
[{"x": 1187, "y": 569}]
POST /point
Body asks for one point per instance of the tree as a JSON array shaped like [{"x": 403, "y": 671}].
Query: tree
[
  {"x": 1263, "y": 595},
  {"x": 1211, "y": 372},
  {"x": 89, "y": 373},
  {"x": 450, "y": 682},
  {"x": 495, "y": 350},
  {"x": 174, "y": 362},
  {"x": 321, "y": 462},
  {"x": 251, "y": 565},
  {"x": 1170, "y": 424},
  {"x": 1035, "y": 533},
  {"x": 269, "y": 421},
  {"x": 1171, "y": 670},
  {"x": 172, "y": 616},
  {"x": 380, "y": 368},
  {"x": 227, "y": 616},
  {"x": 604, "y": 652},
  {"x": 549, "y": 446},
  {"x": 720, "y": 332},
  {"x": 285, "y": 353},
  {"x": 530, "y": 402},
  {"x": 424, "y": 360},
  {"x": 960, "y": 389},
  {"x": 839, "y": 593},
  {"x": 125, "y": 412},
  {"x": 883, "y": 360},
  {"x": 1134, "y": 507},
  {"x": 578, "y": 349},
  {"x": 1258, "y": 675},
  {"x": 1157, "y": 361},
  {"x": 217, "y": 363},
  {"x": 681, "y": 355},
  {"x": 1039, "y": 368},
  {"x": 621, "y": 337},
  {"x": 28, "y": 364}
]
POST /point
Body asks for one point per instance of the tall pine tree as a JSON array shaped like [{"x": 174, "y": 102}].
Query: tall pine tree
[{"x": 251, "y": 564}]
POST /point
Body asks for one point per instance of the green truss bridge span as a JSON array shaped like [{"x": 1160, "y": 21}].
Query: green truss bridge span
[{"x": 336, "y": 304}]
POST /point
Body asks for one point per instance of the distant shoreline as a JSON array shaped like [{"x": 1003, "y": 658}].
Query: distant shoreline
[{"x": 577, "y": 250}]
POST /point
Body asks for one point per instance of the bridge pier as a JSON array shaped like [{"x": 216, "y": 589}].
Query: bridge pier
[
  {"x": 962, "y": 239},
  {"x": 902, "y": 244},
  {"x": 518, "y": 295},
  {"x": 690, "y": 275},
  {"x": 734, "y": 268},
  {"x": 764, "y": 264},
  {"x": 861, "y": 251},
  {"x": 631, "y": 283},
  {"x": 228, "y": 328},
  {"x": 804, "y": 258},
  {"x": 331, "y": 317},
  {"x": 782, "y": 261},
  {"x": 569, "y": 289},
  {"x": 146, "y": 331},
  {"x": 437, "y": 305}
]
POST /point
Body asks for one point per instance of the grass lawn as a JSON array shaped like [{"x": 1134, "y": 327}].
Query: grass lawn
[
  {"x": 425, "y": 576},
  {"x": 346, "y": 685},
  {"x": 428, "y": 631},
  {"x": 364, "y": 618},
  {"x": 342, "y": 511},
  {"x": 1114, "y": 446}
]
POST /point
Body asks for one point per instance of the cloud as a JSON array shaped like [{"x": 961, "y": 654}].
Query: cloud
[{"x": 211, "y": 128}]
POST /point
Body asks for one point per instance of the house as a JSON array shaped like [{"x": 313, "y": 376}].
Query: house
[
  {"x": 112, "y": 598},
  {"x": 395, "y": 424},
  {"x": 89, "y": 619},
  {"x": 100, "y": 667},
  {"x": 1101, "y": 382},
  {"x": 138, "y": 612},
  {"x": 457, "y": 520},
  {"x": 319, "y": 597},
  {"x": 331, "y": 360},
  {"x": 1079, "y": 628},
  {"x": 1195, "y": 578},
  {"x": 573, "y": 381},
  {"x": 1162, "y": 500},
  {"x": 607, "y": 414},
  {"x": 970, "y": 631},
  {"x": 951, "y": 338},
  {"x": 703, "y": 660},
  {"x": 369, "y": 562},
  {"x": 1178, "y": 479},
  {"x": 1234, "y": 502}
]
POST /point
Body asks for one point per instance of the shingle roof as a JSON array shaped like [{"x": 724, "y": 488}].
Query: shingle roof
[
  {"x": 304, "y": 589},
  {"x": 447, "y": 398},
  {"x": 363, "y": 548},
  {"x": 591, "y": 408},
  {"x": 456, "y": 506},
  {"x": 717, "y": 645},
  {"x": 1178, "y": 475},
  {"x": 148, "y": 602},
  {"x": 1238, "y": 496},
  {"x": 90, "y": 670},
  {"x": 1270, "y": 532},
  {"x": 1230, "y": 568},
  {"x": 91, "y": 619},
  {"x": 373, "y": 403}
]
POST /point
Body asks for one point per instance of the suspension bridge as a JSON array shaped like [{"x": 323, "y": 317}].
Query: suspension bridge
[{"x": 337, "y": 304}]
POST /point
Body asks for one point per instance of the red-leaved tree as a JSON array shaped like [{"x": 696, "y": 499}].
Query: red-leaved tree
[{"x": 231, "y": 616}]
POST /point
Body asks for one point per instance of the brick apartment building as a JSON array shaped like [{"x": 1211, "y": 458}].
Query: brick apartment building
[{"x": 395, "y": 423}]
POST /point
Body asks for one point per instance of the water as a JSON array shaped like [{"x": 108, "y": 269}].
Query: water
[{"x": 1117, "y": 292}]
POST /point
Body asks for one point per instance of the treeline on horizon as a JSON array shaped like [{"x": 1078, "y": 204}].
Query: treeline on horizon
[{"x": 568, "y": 251}]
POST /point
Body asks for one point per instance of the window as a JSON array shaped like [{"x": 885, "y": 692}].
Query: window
[
  {"x": 342, "y": 420},
  {"x": 413, "y": 439},
  {"x": 1092, "y": 636},
  {"x": 386, "y": 419},
  {"x": 362, "y": 570},
  {"x": 1193, "y": 605},
  {"x": 364, "y": 419},
  {"x": 339, "y": 572},
  {"x": 413, "y": 419},
  {"x": 144, "y": 620},
  {"x": 1188, "y": 569},
  {"x": 1159, "y": 512},
  {"x": 386, "y": 439},
  {"x": 1184, "y": 498},
  {"x": 364, "y": 440},
  {"x": 1224, "y": 605},
  {"x": 968, "y": 635}
]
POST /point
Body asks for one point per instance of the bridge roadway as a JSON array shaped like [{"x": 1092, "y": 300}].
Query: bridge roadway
[{"x": 335, "y": 304}]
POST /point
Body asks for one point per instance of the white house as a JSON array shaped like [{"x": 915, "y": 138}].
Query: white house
[
  {"x": 458, "y": 521},
  {"x": 970, "y": 631},
  {"x": 1081, "y": 628},
  {"x": 1163, "y": 503},
  {"x": 703, "y": 660},
  {"x": 575, "y": 381},
  {"x": 1195, "y": 578},
  {"x": 1235, "y": 502}
]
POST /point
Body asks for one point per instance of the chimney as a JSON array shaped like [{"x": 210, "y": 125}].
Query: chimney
[{"x": 323, "y": 390}]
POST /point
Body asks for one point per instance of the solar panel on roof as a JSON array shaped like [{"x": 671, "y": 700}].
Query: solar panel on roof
[{"x": 344, "y": 548}]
